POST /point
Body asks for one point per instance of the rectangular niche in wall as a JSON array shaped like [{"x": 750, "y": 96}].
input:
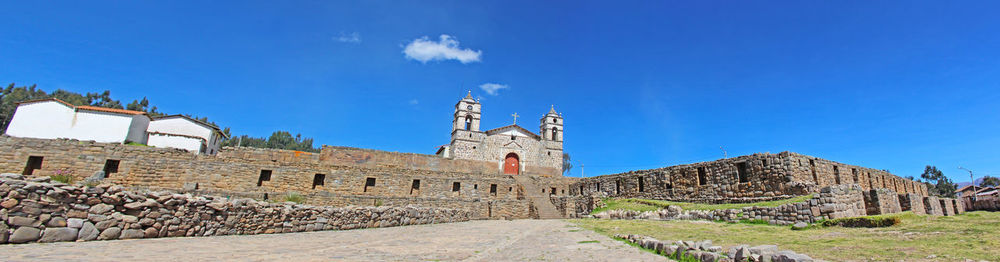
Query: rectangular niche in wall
[
  {"x": 741, "y": 172},
  {"x": 702, "y": 176},
  {"x": 552, "y": 191},
  {"x": 369, "y": 182},
  {"x": 265, "y": 175},
  {"x": 415, "y": 187},
  {"x": 34, "y": 162},
  {"x": 111, "y": 167},
  {"x": 456, "y": 187},
  {"x": 493, "y": 189},
  {"x": 319, "y": 180},
  {"x": 836, "y": 174},
  {"x": 642, "y": 185}
]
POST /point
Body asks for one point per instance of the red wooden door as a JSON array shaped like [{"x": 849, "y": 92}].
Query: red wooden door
[{"x": 511, "y": 166}]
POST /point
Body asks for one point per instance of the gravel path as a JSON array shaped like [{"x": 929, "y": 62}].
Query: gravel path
[{"x": 490, "y": 240}]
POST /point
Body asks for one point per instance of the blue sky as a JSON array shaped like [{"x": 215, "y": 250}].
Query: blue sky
[{"x": 641, "y": 84}]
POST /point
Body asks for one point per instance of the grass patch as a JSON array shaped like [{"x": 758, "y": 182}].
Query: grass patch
[
  {"x": 291, "y": 197},
  {"x": 642, "y": 205},
  {"x": 588, "y": 242},
  {"x": 866, "y": 221},
  {"x": 68, "y": 179},
  {"x": 624, "y": 204},
  {"x": 700, "y": 206},
  {"x": 973, "y": 235}
]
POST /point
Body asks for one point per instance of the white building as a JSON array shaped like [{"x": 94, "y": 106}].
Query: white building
[
  {"x": 53, "y": 118},
  {"x": 179, "y": 131}
]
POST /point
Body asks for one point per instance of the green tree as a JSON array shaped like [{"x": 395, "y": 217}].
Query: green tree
[
  {"x": 990, "y": 181},
  {"x": 937, "y": 183},
  {"x": 566, "y": 163}
]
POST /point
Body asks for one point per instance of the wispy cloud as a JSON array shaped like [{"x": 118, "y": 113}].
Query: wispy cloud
[
  {"x": 352, "y": 38},
  {"x": 414, "y": 102},
  {"x": 491, "y": 88},
  {"x": 423, "y": 50}
]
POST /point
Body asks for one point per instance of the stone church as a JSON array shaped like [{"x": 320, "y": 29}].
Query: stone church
[{"x": 514, "y": 149}]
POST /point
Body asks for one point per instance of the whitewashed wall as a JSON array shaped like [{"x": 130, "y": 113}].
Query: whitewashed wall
[
  {"x": 187, "y": 127},
  {"x": 41, "y": 120},
  {"x": 51, "y": 119},
  {"x": 163, "y": 140}
]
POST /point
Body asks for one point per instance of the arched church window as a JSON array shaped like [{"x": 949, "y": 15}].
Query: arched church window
[
  {"x": 468, "y": 122},
  {"x": 555, "y": 132}
]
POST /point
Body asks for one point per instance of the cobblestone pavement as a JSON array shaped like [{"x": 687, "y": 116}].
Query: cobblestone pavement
[{"x": 491, "y": 240}]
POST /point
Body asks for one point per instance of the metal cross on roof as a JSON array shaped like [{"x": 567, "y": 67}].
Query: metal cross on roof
[{"x": 515, "y": 117}]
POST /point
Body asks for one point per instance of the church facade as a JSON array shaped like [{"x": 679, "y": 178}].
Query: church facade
[{"x": 514, "y": 149}]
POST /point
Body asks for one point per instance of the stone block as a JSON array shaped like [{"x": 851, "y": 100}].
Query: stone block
[
  {"x": 25, "y": 235},
  {"x": 58, "y": 234}
]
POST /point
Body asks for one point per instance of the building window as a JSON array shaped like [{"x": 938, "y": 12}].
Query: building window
[
  {"x": 415, "y": 186},
  {"x": 555, "y": 133},
  {"x": 319, "y": 180},
  {"x": 369, "y": 182},
  {"x": 493, "y": 189},
  {"x": 512, "y": 137},
  {"x": 812, "y": 166},
  {"x": 265, "y": 175},
  {"x": 552, "y": 191},
  {"x": 110, "y": 167},
  {"x": 34, "y": 162},
  {"x": 455, "y": 187},
  {"x": 642, "y": 185}
]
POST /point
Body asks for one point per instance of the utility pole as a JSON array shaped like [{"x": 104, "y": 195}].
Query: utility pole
[{"x": 971, "y": 178}]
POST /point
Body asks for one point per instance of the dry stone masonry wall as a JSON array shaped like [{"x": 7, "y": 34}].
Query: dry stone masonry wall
[
  {"x": 839, "y": 201},
  {"x": 38, "y": 211},
  {"x": 336, "y": 176},
  {"x": 749, "y": 178}
]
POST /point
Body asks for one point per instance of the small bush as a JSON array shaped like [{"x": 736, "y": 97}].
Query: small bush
[
  {"x": 867, "y": 221},
  {"x": 294, "y": 197},
  {"x": 68, "y": 179}
]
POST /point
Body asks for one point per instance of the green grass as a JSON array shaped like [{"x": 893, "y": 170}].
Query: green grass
[
  {"x": 974, "y": 235},
  {"x": 588, "y": 242},
  {"x": 290, "y": 197},
  {"x": 700, "y": 206},
  {"x": 642, "y": 205},
  {"x": 135, "y": 144},
  {"x": 619, "y": 204},
  {"x": 68, "y": 179}
]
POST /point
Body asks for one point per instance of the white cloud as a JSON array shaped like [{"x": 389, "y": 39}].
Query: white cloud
[
  {"x": 353, "y": 38},
  {"x": 423, "y": 50},
  {"x": 414, "y": 102},
  {"x": 491, "y": 88}
]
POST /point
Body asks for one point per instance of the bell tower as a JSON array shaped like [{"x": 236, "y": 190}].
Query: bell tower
[
  {"x": 551, "y": 127},
  {"x": 467, "y": 114}
]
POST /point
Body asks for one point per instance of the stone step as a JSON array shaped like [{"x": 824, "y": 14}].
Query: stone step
[{"x": 540, "y": 201}]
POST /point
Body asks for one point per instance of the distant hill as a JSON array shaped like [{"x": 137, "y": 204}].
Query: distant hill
[{"x": 962, "y": 184}]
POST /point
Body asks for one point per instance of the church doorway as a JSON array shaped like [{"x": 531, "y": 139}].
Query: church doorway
[{"x": 511, "y": 164}]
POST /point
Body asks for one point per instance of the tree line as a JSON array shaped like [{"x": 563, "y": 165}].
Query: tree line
[{"x": 12, "y": 95}]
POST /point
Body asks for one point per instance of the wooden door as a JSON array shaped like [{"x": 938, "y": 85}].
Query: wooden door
[{"x": 511, "y": 165}]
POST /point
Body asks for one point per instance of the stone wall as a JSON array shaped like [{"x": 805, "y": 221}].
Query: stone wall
[
  {"x": 933, "y": 205},
  {"x": 832, "y": 202},
  {"x": 51, "y": 212},
  {"x": 336, "y": 176},
  {"x": 947, "y": 206},
  {"x": 756, "y": 177},
  {"x": 882, "y": 201},
  {"x": 912, "y": 202}
]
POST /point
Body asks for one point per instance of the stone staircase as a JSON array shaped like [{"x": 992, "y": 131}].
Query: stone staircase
[{"x": 540, "y": 201}]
